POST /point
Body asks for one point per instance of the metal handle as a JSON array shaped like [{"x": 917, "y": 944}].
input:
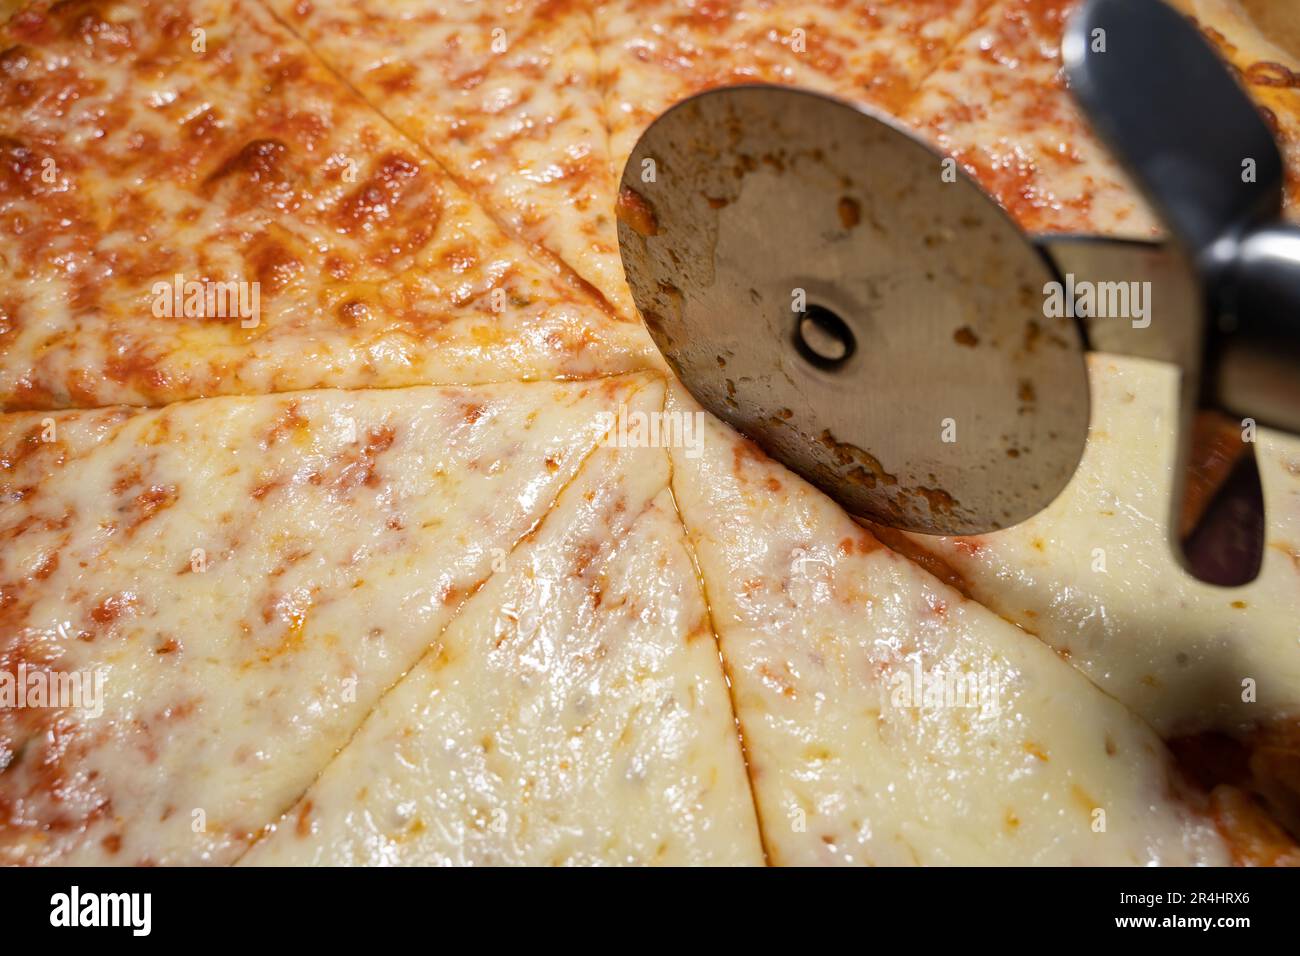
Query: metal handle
[
  {"x": 1158, "y": 94},
  {"x": 1252, "y": 356},
  {"x": 1165, "y": 104},
  {"x": 1267, "y": 287}
]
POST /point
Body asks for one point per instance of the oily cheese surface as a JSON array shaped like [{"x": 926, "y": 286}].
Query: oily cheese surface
[
  {"x": 536, "y": 104},
  {"x": 998, "y": 103},
  {"x": 1094, "y": 575},
  {"x": 574, "y": 712},
  {"x": 410, "y": 625},
  {"x": 505, "y": 93},
  {"x": 249, "y": 575},
  {"x": 149, "y": 140},
  {"x": 654, "y": 53},
  {"x": 888, "y": 720}
]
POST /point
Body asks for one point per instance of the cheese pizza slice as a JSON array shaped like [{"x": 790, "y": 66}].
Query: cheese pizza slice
[
  {"x": 504, "y": 94},
  {"x": 192, "y": 205},
  {"x": 654, "y": 53},
  {"x": 1094, "y": 575},
  {"x": 574, "y": 713},
  {"x": 200, "y": 604},
  {"x": 889, "y": 720}
]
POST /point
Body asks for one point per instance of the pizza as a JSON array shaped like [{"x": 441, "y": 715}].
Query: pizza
[
  {"x": 655, "y": 53},
  {"x": 998, "y": 105},
  {"x": 348, "y": 515}
]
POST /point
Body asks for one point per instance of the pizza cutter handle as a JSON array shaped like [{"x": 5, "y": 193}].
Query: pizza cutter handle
[
  {"x": 1267, "y": 286},
  {"x": 1253, "y": 353},
  {"x": 1240, "y": 371},
  {"x": 1246, "y": 361},
  {"x": 1167, "y": 106}
]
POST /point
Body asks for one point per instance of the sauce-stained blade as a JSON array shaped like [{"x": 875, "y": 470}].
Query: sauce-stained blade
[{"x": 852, "y": 302}]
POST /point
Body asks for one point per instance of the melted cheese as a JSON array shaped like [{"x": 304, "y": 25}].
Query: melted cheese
[
  {"x": 983, "y": 81},
  {"x": 848, "y": 665},
  {"x": 410, "y": 626},
  {"x": 504, "y": 94},
  {"x": 1094, "y": 574},
  {"x": 999, "y": 105},
  {"x": 128, "y": 159},
  {"x": 654, "y": 53},
  {"x": 574, "y": 713},
  {"x": 250, "y": 574}
]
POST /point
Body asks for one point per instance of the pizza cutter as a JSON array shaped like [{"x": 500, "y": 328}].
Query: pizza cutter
[{"x": 848, "y": 298}]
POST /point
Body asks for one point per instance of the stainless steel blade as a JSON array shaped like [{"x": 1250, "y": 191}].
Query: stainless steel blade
[{"x": 835, "y": 290}]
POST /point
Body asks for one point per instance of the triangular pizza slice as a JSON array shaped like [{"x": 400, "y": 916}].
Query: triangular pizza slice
[
  {"x": 574, "y": 713},
  {"x": 193, "y": 205},
  {"x": 889, "y": 720},
  {"x": 235, "y": 582}
]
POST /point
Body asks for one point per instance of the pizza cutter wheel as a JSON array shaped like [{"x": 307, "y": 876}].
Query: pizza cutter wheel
[{"x": 851, "y": 300}]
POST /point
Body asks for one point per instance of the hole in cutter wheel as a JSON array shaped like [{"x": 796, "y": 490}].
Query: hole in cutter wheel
[{"x": 823, "y": 338}]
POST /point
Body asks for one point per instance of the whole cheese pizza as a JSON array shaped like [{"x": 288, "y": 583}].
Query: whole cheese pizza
[{"x": 349, "y": 515}]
